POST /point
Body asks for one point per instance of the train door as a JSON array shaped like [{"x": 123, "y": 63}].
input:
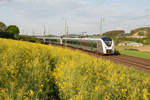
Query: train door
[
  {"x": 91, "y": 46},
  {"x": 99, "y": 47}
]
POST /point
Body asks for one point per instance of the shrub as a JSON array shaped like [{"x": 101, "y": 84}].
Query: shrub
[{"x": 29, "y": 38}]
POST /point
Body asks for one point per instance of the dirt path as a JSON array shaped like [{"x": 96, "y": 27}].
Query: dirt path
[{"x": 143, "y": 48}]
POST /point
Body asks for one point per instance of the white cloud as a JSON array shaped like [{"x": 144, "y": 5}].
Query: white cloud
[
  {"x": 4, "y": 1},
  {"x": 83, "y": 15},
  {"x": 50, "y": 2}
]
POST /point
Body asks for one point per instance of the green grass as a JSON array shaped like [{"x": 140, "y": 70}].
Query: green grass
[{"x": 122, "y": 50}]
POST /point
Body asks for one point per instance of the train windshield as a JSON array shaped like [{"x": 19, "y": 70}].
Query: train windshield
[{"x": 107, "y": 40}]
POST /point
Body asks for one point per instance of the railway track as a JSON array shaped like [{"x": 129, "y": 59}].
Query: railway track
[{"x": 139, "y": 63}]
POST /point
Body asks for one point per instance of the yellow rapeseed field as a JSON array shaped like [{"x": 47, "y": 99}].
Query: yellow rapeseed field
[{"x": 30, "y": 71}]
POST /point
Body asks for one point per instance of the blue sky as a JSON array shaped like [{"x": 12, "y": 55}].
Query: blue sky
[{"x": 82, "y": 15}]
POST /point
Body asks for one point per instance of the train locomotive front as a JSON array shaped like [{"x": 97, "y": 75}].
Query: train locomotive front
[{"x": 108, "y": 45}]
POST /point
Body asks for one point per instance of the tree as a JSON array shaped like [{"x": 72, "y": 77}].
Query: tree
[
  {"x": 3, "y": 27},
  {"x": 13, "y": 29}
]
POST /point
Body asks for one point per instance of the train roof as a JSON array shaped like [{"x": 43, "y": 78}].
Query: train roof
[
  {"x": 49, "y": 37},
  {"x": 83, "y": 38},
  {"x": 101, "y": 38},
  {"x": 96, "y": 39}
]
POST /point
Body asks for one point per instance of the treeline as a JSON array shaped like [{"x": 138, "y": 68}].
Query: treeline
[{"x": 12, "y": 32}]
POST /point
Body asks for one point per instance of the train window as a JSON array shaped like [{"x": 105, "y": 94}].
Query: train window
[
  {"x": 70, "y": 42},
  {"x": 54, "y": 40},
  {"x": 46, "y": 39},
  {"x": 89, "y": 44},
  {"x": 75, "y": 42},
  {"x": 106, "y": 39}
]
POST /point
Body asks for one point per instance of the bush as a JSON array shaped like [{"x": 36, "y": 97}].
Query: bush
[
  {"x": 141, "y": 34},
  {"x": 13, "y": 29},
  {"x": 29, "y": 38},
  {"x": 2, "y": 27},
  {"x": 26, "y": 71},
  {"x": 6, "y": 35}
]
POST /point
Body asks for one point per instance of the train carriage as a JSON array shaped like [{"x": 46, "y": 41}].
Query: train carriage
[
  {"x": 53, "y": 40},
  {"x": 81, "y": 43},
  {"x": 103, "y": 45}
]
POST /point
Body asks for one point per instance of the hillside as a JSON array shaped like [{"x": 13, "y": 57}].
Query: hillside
[
  {"x": 114, "y": 33},
  {"x": 143, "y": 32}
]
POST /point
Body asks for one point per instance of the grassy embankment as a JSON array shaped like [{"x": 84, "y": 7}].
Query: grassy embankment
[
  {"x": 127, "y": 50},
  {"x": 34, "y": 71}
]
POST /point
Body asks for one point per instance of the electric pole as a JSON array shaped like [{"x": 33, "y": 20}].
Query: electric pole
[
  {"x": 22, "y": 32},
  {"x": 101, "y": 24},
  {"x": 33, "y": 32},
  {"x": 44, "y": 34},
  {"x": 66, "y": 28}
]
